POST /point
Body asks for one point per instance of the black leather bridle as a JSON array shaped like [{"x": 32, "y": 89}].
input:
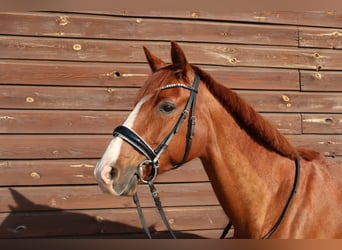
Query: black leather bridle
[{"x": 153, "y": 156}]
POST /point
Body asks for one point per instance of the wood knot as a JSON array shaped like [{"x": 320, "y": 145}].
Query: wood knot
[
  {"x": 29, "y": 99},
  {"x": 63, "y": 20},
  {"x": 336, "y": 34},
  {"x": 110, "y": 90},
  {"x": 66, "y": 197},
  {"x": 285, "y": 98},
  {"x": 316, "y": 55},
  {"x": 330, "y": 154},
  {"x": 233, "y": 60},
  {"x": 195, "y": 14},
  {"x": 77, "y": 47},
  {"x": 99, "y": 219},
  {"x": 6, "y": 118},
  {"x": 224, "y": 33},
  {"x": 114, "y": 74},
  {"x": 329, "y": 120},
  {"x": 319, "y": 67},
  {"x": 20, "y": 228},
  {"x": 317, "y": 75},
  {"x": 35, "y": 175}
]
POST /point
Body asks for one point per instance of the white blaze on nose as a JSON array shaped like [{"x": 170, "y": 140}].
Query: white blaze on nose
[
  {"x": 131, "y": 118},
  {"x": 111, "y": 155}
]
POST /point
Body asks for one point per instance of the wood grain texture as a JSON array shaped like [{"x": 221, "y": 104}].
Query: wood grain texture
[
  {"x": 60, "y": 122},
  {"x": 112, "y": 27},
  {"x": 322, "y": 123},
  {"x": 328, "y": 145},
  {"x": 93, "y": 146},
  {"x": 80, "y": 172},
  {"x": 320, "y": 38},
  {"x": 197, "y": 53},
  {"x": 134, "y": 75},
  {"x": 97, "y": 122},
  {"x": 307, "y": 18},
  {"x": 321, "y": 81},
  {"x": 67, "y": 79},
  {"x": 122, "y": 99}
]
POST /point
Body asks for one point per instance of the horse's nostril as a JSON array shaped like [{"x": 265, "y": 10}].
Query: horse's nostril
[{"x": 113, "y": 173}]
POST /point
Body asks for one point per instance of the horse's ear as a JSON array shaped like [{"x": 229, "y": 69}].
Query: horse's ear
[
  {"x": 154, "y": 61},
  {"x": 178, "y": 57}
]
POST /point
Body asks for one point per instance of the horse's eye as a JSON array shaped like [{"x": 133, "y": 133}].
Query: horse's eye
[{"x": 167, "y": 107}]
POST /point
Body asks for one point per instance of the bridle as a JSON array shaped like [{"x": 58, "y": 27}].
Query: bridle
[{"x": 153, "y": 156}]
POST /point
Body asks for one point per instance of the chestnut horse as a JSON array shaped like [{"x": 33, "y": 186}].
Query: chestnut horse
[{"x": 251, "y": 166}]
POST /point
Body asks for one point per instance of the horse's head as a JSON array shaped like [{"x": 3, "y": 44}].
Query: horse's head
[{"x": 157, "y": 135}]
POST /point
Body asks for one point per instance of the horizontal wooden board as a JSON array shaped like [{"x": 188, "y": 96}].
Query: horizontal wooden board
[
  {"x": 107, "y": 221},
  {"x": 322, "y": 123},
  {"x": 131, "y": 51},
  {"x": 93, "y": 146},
  {"x": 134, "y": 75},
  {"x": 321, "y": 81},
  {"x": 307, "y": 18},
  {"x": 73, "y": 73},
  {"x": 80, "y": 172},
  {"x": 288, "y": 101},
  {"x": 52, "y": 147},
  {"x": 47, "y": 172},
  {"x": 57, "y": 98},
  {"x": 91, "y": 197},
  {"x": 285, "y": 123},
  {"x": 97, "y": 122},
  {"x": 67, "y": 98},
  {"x": 114, "y": 27},
  {"x": 328, "y": 145},
  {"x": 60, "y": 122},
  {"x": 320, "y": 38}
]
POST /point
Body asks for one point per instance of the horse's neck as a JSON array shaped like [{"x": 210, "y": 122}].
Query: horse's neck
[{"x": 251, "y": 183}]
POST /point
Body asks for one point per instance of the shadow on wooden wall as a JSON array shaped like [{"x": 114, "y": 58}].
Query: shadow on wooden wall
[{"x": 62, "y": 223}]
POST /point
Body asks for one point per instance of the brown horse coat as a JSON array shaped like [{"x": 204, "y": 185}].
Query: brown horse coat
[{"x": 249, "y": 163}]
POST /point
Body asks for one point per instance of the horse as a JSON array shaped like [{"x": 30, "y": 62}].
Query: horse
[{"x": 253, "y": 169}]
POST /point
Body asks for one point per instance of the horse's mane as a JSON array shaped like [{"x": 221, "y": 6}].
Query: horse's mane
[{"x": 252, "y": 122}]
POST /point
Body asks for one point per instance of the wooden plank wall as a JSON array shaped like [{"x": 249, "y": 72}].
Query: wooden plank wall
[{"x": 67, "y": 79}]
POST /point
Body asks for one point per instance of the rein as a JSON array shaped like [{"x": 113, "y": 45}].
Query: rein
[
  {"x": 282, "y": 215},
  {"x": 152, "y": 159}
]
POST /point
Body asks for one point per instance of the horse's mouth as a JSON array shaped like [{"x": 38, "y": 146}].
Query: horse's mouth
[
  {"x": 127, "y": 190},
  {"x": 116, "y": 181}
]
